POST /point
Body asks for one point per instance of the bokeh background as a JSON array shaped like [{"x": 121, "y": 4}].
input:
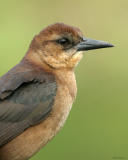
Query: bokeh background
[{"x": 97, "y": 128}]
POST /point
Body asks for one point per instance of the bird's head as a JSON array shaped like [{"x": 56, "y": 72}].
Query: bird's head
[{"x": 61, "y": 46}]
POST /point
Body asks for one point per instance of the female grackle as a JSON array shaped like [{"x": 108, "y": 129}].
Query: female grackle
[{"x": 37, "y": 94}]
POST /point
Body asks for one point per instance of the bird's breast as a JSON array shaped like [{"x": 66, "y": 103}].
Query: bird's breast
[{"x": 34, "y": 138}]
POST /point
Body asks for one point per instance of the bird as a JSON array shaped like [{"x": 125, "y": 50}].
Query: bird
[{"x": 37, "y": 94}]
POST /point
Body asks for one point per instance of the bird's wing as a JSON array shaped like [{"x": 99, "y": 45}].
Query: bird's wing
[{"x": 26, "y": 98}]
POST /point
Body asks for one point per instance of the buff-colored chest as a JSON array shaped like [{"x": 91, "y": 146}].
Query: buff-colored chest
[{"x": 34, "y": 138}]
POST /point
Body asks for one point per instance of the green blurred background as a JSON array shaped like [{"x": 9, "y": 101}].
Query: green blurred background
[{"x": 97, "y": 128}]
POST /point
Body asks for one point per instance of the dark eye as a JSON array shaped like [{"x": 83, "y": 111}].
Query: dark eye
[{"x": 63, "y": 41}]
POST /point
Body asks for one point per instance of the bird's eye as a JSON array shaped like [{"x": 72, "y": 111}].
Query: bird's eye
[{"x": 63, "y": 41}]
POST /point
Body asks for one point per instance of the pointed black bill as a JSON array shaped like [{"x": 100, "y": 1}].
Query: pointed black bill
[{"x": 89, "y": 44}]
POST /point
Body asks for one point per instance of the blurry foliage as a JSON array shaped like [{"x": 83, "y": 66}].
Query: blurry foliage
[{"x": 97, "y": 126}]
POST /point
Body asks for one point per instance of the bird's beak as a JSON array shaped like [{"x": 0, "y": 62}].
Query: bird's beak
[{"x": 89, "y": 44}]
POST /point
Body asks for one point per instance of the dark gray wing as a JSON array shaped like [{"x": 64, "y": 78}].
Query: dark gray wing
[{"x": 26, "y": 98}]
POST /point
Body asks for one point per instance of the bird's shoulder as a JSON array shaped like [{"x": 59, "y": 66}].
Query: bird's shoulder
[{"x": 22, "y": 73}]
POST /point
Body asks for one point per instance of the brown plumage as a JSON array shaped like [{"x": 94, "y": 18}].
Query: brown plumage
[{"x": 37, "y": 94}]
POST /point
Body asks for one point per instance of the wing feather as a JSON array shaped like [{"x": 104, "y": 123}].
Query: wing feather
[{"x": 26, "y": 98}]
